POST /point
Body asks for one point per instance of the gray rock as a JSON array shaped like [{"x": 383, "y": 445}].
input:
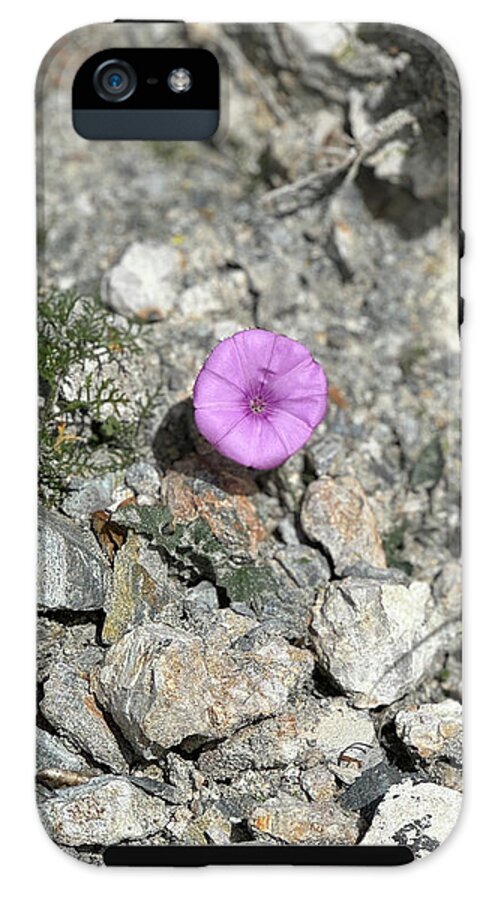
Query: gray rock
[
  {"x": 378, "y": 640},
  {"x": 314, "y": 732},
  {"x": 447, "y": 587},
  {"x": 72, "y": 571},
  {"x": 319, "y": 783},
  {"x": 288, "y": 482},
  {"x": 90, "y": 496},
  {"x": 174, "y": 780},
  {"x": 204, "y": 689},
  {"x": 287, "y": 150},
  {"x": 289, "y": 821},
  {"x": 323, "y": 39},
  {"x": 287, "y": 531},
  {"x": 57, "y": 766},
  {"x": 143, "y": 478},
  {"x": 210, "y": 827},
  {"x": 155, "y": 788},
  {"x": 336, "y": 514},
  {"x": 70, "y": 707},
  {"x": 327, "y": 454},
  {"x": 144, "y": 282},
  {"x": 432, "y": 730},
  {"x": 141, "y": 590},
  {"x": 419, "y": 816},
  {"x": 281, "y": 589},
  {"x": 52, "y": 753},
  {"x": 272, "y": 596},
  {"x": 181, "y": 774},
  {"x": 105, "y": 811},
  {"x": 212, "y": 296},
  {"x": 371, "y": 785},
  {"x": 385, "y": 576},
  {"x": 306, "y": 566},
  {"x": 77, "y": 646},
  {"x": 240, "y": 795},
  {"x": 201, "y": 601}
]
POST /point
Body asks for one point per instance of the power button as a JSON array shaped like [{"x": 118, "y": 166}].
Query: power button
[{"x": 460, "y": 300}]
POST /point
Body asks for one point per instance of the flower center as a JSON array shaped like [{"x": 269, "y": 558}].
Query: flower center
[{"x": 257, "y": 404}]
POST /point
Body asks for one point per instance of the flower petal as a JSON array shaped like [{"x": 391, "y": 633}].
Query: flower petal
[
  {"x": 243, "y": 357},
  {"x": 304, "y": 380},
  {"x": 215, "y": 425},
  {"x": 254, "y": 442},
  {"x": 212, "y": 387},
  {"x": 288, "y": 356},
  {"x": 302, "y": 393},
  {"x": 255, "y": 349},
  {"x": 292, "y": 430},
  {"x": 310, "y": 410}
]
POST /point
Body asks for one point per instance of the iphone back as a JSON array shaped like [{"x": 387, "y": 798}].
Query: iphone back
[{"x": 249, "y": 444}]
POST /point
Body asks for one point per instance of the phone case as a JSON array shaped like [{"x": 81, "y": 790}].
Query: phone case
[{"x": 249, "y": 458}]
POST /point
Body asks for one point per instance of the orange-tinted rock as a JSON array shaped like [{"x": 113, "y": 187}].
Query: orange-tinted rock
[
  {"x": 220, "y": 500},
  {"x": 293, "y": 821},
  {"x": 336, "y": 514}
]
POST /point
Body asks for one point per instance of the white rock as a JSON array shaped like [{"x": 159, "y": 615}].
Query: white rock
[
  {"x": 292, "y": 821},
  {"x": 420, "y": 816},
  {"x": 105, "y": 811},
  {"x": 144, "y": 281},
  {"x": 336, "y": 513},
  {"x": 432, "y": 730},
  {"x": 327, "y": 731},
  {"x": 162, "y": 685},
  {"x": 378, "y": 640},
  {"x": 323, "y": 39}
]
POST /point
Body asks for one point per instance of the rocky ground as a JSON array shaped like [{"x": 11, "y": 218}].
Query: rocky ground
[{"x": 225, "y": 655}]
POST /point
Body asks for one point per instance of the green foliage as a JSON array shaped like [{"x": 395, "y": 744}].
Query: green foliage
[
  {"x": 410, "y": 356},
  {"x": 429, "y": 466},
  {"x": 154, "y": 521},
  {"x": 393, "y": 544},
  {"x": 195, "y": 549},
  {"x": 192, "y": 546},
  {"x": 72, "y": 330},
  {"x": 173, "y": 151},
  {"x": 244, "y": 584}
]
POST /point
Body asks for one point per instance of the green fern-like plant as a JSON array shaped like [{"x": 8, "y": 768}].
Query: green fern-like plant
[{"x": 71, "y": 330}]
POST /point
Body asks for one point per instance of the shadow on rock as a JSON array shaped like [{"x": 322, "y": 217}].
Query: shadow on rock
[{"x": 178, "y": 445}]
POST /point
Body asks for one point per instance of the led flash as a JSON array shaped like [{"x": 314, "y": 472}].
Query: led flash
[{"x": 180, "y": 81}]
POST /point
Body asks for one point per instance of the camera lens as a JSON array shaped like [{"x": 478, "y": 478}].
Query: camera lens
[{"x": 114, "y": 80}]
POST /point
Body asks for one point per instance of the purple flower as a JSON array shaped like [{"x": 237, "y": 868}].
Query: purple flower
[{"x": 259, "y": 397}]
